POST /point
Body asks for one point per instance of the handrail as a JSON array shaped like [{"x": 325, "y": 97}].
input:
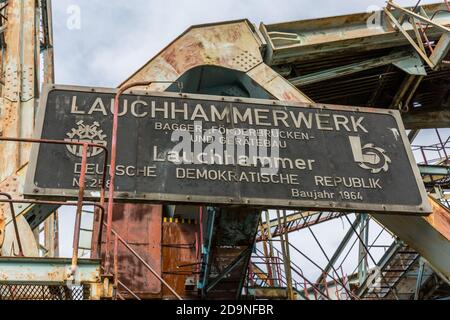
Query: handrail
[
  {"x": 300, "y": 274},
  {"x": 86, "y": 146},
  {"x": 79, "y": 204},
  {"x": 129, "y": 290},
  {"x": 112, "y": 165},
  {"x": 331, "y": 276},
  {"x": 13, "y": 216}
]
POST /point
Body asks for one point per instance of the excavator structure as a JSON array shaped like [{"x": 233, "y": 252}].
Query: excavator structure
[{"x": 395, "y": 59}]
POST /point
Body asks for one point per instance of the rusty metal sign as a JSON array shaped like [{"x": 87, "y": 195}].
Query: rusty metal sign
[{"x": 223, "y": 150}]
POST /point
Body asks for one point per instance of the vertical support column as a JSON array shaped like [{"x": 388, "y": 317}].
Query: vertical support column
[
  {"x": 419, "y": 279},
  {"x": 362, "y": 254},
  {"x": 51, "y": 224},
  {"x": 17, "y": 103},
  {"x": 288, "y": 260},
  {"x": 50, "y": 235},
  {"x": 285, "y": 253},
  {"x": 48, "y": 56},
  {"x": 271, "y": 255}
]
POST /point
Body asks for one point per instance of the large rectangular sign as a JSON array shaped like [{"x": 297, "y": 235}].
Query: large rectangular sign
[{"x": 224, "y": 150}]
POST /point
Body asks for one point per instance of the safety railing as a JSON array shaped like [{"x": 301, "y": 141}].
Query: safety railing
[
  {"x": 80, "y": 203},
  {"x": 440, "y": 150},
  {"x": 81, "y": 187},
  {"x": 12, "y": 201},
  {"x": 264, "y": 277},
  {"x": 297, "y": 224}
]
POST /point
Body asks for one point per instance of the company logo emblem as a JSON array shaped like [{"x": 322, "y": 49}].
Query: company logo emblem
[
  {"x": 369, "y": 156},
  {"x": 86, "y": 133}
]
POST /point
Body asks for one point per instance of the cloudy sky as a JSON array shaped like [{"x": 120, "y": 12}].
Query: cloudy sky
[
  {"x": 116, "y": 37},
  {"x": 101, "y": 42}
]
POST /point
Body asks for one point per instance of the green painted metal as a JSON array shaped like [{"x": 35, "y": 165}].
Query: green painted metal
[
  {"x": 441, "y": 49},
  {"x": 434, "y": 170},
  {"x": 297, "y": 41},
  {"x": 412, "y": 65},
  {"x": 353, "y": 68}
]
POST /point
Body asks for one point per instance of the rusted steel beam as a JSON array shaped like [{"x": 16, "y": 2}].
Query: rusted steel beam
[
  {"x": 301, "y": 40},
  {"x": 210, "y": 45},
  {"x": 13, "y": 217},
  {"x": 17, "y": 108},
  {"x": 23, "y": 270},
  {"x": 350, "y": 69},
  {"x": 48, "y": 54},
  {"x": 426, "y": 119},
  {"x": 409, "y": 38},
  {"x": 419, "y": 17},
  {"x": 76, "y": 235},
  {"x": 441, "y": 49},
  {"x": 429, "y": 236},
  {"x": 298, "y": 222}
]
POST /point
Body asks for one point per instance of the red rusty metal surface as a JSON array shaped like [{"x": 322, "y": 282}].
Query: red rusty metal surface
[
  {"x": 140, "y": 226},
  {"x": 439, "y": 218},
  {"x": 179, "y": 257},
  {"x": 112, "y": 166}
]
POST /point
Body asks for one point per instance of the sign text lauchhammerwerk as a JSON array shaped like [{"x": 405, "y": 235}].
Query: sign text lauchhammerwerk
[{"x": 189, "y": 148}]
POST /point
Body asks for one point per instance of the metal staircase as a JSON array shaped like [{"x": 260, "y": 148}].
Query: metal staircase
[
  {"x": 393, "y": 266},
  {"x": 402, "y": 274},
  {"x": 227, "y": 244},
  {"x": 294, "y": 222}
]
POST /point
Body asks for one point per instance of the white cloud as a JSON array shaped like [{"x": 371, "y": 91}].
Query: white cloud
[{"x": 117, "y": 37}]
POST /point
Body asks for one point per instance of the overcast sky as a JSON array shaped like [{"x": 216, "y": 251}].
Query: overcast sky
[{"x": 116, "y": 37}]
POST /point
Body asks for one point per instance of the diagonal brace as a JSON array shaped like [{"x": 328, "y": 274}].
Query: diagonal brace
[{"x": 229, "y": 268}]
